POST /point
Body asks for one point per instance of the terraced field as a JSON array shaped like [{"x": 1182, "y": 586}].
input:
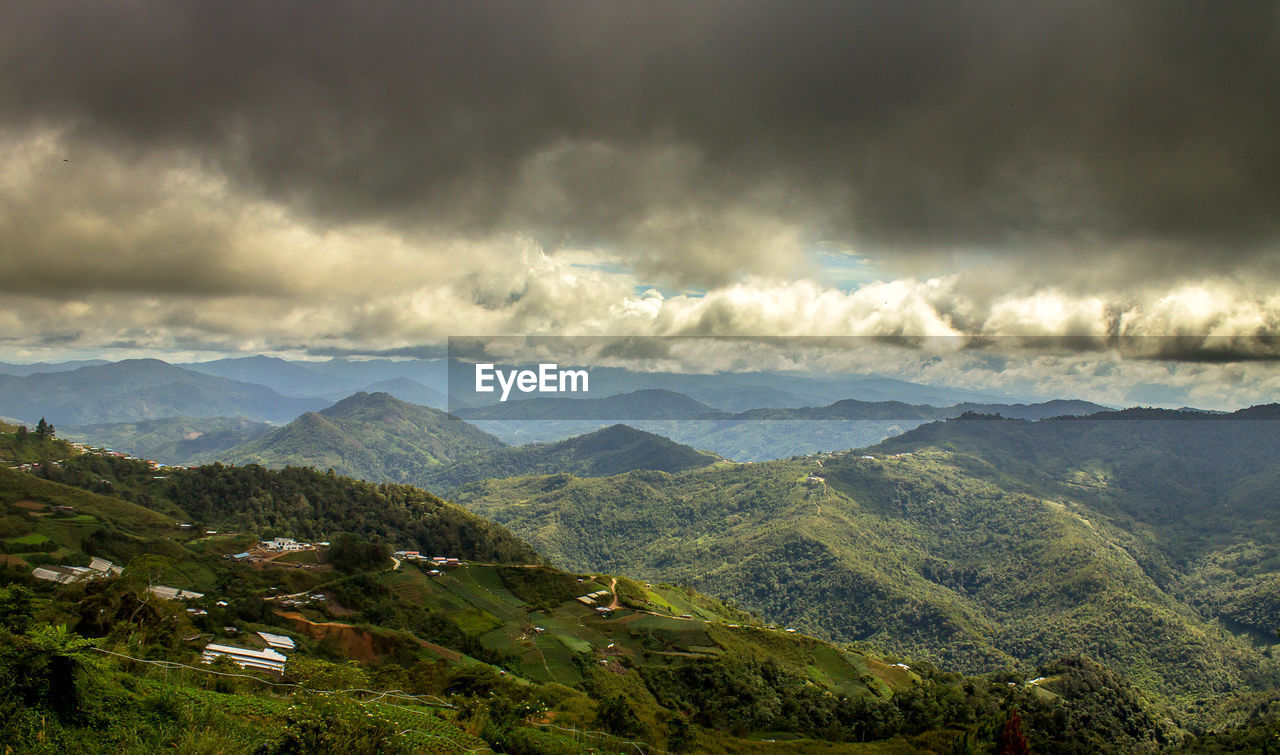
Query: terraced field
[{"x": 655, "y": 625}]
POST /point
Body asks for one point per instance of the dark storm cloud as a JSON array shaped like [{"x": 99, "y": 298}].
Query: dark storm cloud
[
  {"x": 671, "y": 130},
  {"x": 1207, "y": 349}
]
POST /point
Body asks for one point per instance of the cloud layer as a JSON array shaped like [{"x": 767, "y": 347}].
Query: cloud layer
[{"x": 332, "y": 177}]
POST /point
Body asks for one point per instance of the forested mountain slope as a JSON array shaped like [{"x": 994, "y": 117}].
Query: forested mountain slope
[
  {"x": 371, "y": 436},
  {"x": 977, "y": 543},
  {"x": 498, "y": 652}
]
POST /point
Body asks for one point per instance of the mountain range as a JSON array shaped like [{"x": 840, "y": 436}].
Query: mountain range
[
  {"x": 377, "y": 437},
  {"x": 1113, "y": 577},
  {"x": 23, "y": 370},
  {"x": 739, "y": 391},
  {"x": 650, "y": 403},
  {"x": 141, "y": 389},
  {"x": 751, "y": 435},
  {"x": 417, "y": 381},
  {"x": 985, "y": 543}
]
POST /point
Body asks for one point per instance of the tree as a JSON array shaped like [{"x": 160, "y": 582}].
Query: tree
[
  {"x": 1012, "y": 741},
  {"x": 44, "y": 430},
  {"x": 618, "y": 718},
  {"x": 349, "y": 553},
  {"x": 679, "y": 734},
  {"x": 15, "y": 608},
  {"x": 145, "y": 571},
  {"x": 64, "y": 652},
  {"x": 23, "y": 433}
]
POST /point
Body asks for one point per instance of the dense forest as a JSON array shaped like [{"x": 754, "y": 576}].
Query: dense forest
[
  {"x": 297, "y": 502},
  {"x": 976, "y": 544}
]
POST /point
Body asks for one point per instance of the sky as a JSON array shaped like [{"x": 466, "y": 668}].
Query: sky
[{"x": 197, "y": 179}]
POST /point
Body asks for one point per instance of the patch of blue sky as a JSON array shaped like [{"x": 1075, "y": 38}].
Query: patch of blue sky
[
  {"x": 844, "y": 269},
  {"x": 641, "y": 288}
]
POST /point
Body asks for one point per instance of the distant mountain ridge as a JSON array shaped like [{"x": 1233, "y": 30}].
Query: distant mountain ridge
[
  {"x": 762, "y": 434},
  {"x": 612, "y": 450},
  {"x": 23, "y": 370},
  {"x": 738, "y": 391},
  {"x": 1259, "y": 412},
  {"x": 652, "y": 403},
  {"x": 377, "y": 437},
  {"x": 283, "y": 376},
  {"x": 410, "y": 391},
  {"x": 172, "y": 440},
  {"x": 416, "y": 381},
  {"x": 141, "y": 389},
  {"x": 660, "y": 404},
  {"x": 892, "y": 410}
]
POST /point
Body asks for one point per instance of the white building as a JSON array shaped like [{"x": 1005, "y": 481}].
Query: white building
[
  {"x": 266, "y": 660},
  {"x": 64, "y": 575},
  {"x": 105, "y": 567},
  {"x": 173, "y": 593},
  {"x": 277, "y": 641}
]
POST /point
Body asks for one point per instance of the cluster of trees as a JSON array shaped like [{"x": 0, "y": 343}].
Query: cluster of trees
[
  {"x": 300, "y": 502},
  {"x": 350, "y": 553},
  {"x": 21, "y": 444},
  {"x": 44, "y": 431},
  {"x": 310, "y": 505}
]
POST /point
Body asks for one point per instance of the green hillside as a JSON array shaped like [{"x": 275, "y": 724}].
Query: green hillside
[
  {"x": 493, "y": 653},
  {"x": 976, "y": 549},
  {"x": 20, "y": 444},
  {"x": 611, "y": 450},
  {"x": 296, "y": 502},
  {"x": 372, "y": 436}
]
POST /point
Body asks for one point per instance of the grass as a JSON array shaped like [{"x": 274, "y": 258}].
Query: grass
[
  {"x": 300, "y": 557},
  {"x": 35, "y": 538},
  {"x": 130, "y": 517},
  {"x": 574, "y": 644},
  {"x": 559, "y": 661},
  {"x": 475, "y": 621}
]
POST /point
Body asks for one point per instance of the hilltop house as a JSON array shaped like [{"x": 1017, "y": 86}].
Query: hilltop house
[{"x": 285, "y": 544}]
